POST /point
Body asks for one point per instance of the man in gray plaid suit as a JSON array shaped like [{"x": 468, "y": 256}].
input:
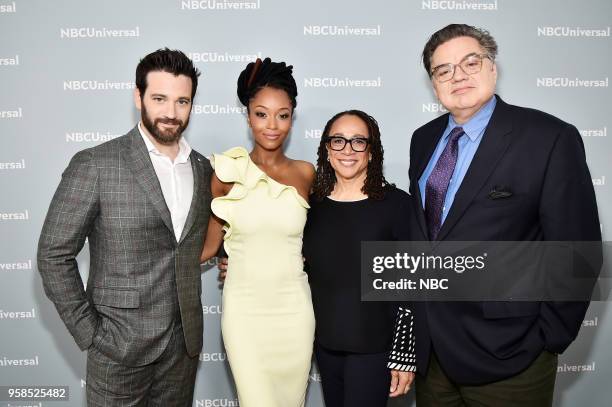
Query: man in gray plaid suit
[{"x": 143, "y": 202}]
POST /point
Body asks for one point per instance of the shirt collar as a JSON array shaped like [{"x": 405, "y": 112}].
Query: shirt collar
[
  {"x": 184, "y": 147},
  {"x": 475, "y": 126}
]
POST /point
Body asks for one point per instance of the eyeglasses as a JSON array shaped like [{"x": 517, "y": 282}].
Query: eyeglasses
[
  {"x": 471, "y": 64},
  {"x": 358, "y": 144}
]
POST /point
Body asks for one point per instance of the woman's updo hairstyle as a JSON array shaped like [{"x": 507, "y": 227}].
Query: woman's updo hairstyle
[{"x": 259, "y": 74}]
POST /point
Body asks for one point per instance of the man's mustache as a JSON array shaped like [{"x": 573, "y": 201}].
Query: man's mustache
[{"x": 169, "y": 121}]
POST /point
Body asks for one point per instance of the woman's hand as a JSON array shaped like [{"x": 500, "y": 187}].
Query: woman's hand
[
  {"x": 214, "y": 231},
  {"x": 222, "y": 269},
  {"x": 400, "y": 382}
]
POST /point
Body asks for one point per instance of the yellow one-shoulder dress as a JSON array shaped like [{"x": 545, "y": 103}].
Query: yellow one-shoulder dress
[{"x": 267, "y": 320}]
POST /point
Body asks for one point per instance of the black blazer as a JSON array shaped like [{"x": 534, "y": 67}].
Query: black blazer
[
  {"x": 541, "y": 160},
  {"x": 332, "y": 243}
]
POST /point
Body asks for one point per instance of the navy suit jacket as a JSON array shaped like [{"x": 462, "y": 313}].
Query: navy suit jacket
[{"x": 541, "y": 159}]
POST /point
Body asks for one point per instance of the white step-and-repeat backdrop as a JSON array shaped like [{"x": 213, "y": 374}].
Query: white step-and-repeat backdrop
[{"x": 66, "y": 80}]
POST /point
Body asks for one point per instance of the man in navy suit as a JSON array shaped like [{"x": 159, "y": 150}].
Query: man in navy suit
[{"x": 490, "y": 171}]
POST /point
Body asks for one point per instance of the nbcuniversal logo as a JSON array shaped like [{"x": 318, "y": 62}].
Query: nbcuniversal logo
[
  {"x": 313, "y": 133},
  {"x": 334, "y": 82},
  {"x": 221, "y": 5},
  {"x": 565, "y": 31},
  {"x": 468, "y": 5},
  {"x": 564, "y": 82},
  {"x": 8, "y": 8},
  {"x": 433, "y": 107},
  {"x": 217, "y": 403}
]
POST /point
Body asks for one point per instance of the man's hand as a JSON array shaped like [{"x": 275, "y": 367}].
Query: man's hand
[
  {"x": 400, "y": 382},
  {"x": 222, "y": 268}
]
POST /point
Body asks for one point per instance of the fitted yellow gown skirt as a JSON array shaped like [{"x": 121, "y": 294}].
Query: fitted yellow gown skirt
[{"x": 267, "y": 321}]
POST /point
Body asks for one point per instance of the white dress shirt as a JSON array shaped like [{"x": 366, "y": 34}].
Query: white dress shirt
[{"x": 175, "y": 178}]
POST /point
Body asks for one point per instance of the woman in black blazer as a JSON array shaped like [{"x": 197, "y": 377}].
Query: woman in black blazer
[{"x": 364, "y": 350}]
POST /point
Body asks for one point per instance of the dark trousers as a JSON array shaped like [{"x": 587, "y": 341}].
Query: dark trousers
[
  {"x": 533, "y": 387},
  {"x": 353, "y": 379},
  {"x": 169, "y": 381}
]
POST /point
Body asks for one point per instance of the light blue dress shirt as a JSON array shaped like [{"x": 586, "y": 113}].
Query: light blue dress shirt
[{"x": 468, "y": 144}]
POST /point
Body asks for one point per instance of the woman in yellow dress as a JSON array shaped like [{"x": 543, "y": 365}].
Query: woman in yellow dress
[{"x": 260, "y": 202}]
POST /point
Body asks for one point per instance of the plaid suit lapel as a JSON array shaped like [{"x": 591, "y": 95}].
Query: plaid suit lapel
[
  {"x": 197, "y": 166},
  {"x": 141, "y": 166}
]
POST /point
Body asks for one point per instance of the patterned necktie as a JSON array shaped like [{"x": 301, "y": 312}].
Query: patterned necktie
[{"x": 437, "y": 183}]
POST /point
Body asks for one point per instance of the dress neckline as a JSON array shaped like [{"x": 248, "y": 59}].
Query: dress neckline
[
  {"x": 262, "y": 172},
  {"x": 339, "y": 201}
]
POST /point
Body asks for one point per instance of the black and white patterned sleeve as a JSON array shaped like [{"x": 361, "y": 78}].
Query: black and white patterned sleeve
[{"x": 402, "y": 356}]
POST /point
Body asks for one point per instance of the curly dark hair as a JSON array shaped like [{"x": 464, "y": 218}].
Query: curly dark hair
[
  {"x": 375, "y": 183},
  {"x": 261, "y": 74},
  {"x": 166, "y": 60}
]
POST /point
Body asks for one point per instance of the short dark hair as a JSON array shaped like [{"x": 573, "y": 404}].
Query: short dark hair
[
  {"x": 260, "y": 74},
  {"x": 451, "y": 31},
  {"x": 166, "y": 60},
  {"x": 375, "y": 183}
]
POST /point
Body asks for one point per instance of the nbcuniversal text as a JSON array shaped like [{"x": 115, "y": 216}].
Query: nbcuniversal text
[{"x": 484, "y": 271}]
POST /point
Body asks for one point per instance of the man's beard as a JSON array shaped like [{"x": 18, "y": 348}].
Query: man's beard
[{"x": 167, "y": 136}]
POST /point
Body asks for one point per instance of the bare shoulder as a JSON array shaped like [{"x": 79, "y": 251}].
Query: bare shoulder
[
  {"x": 219, "y": 188},
  {"x": 305, "y": 169},
  {"x": 301, "y": 176}
]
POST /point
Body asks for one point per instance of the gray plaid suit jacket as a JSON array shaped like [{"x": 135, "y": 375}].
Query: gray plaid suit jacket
[{"x": 141, "y": 280}]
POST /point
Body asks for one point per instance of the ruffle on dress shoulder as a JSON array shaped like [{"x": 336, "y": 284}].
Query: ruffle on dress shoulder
[{"x": 235, "y": 165}]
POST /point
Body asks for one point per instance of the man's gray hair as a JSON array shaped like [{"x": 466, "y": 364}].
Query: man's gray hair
[{"x": 451, "y": 31}]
